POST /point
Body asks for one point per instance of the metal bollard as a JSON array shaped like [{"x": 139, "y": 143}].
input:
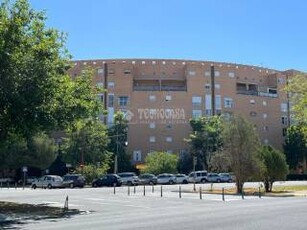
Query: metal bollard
[
  {"x": 152, "y": 188},
  {"x": 134, "y": 189},
  {"x": 128, "y": 190},
  {"x": 223, "y": 194},
  {"x": 1, "y": 184},
  {"x": 66, "y": 204},
  {"x": 242, "y": 194},
  {"x": 15, "y": 185},
  {"x": 144, "y": 190},
  {"x": 8, "y": 184},
  {"x": 259, "y": 193},
  {"x": 161, "y": 191},
  {"x": 200, "y": 194},
  {"x": 179, "y": 191},
  {"x": 114, "y": 189}
]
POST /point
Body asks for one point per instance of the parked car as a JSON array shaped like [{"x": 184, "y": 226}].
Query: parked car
[
  {"x": 198, "y": 177},
  {"x": 213, "y": 177},
  {"x": 225, "y": 177},
  {"x": 129, "y": 178},
  {"x": 73, "y": 180},
  {"x": 166, "y": 178},
  {"x": 148, "y": 178},
  {"x": 181, "y": 179},
  {"x": 107, "y": 180},
  {"x": 48, "y": 181}
]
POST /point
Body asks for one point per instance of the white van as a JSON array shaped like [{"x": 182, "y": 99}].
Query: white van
[{"x": 48, "y": 181}]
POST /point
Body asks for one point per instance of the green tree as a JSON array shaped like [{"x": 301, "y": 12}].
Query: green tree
[
  {"x": 241, "y": 146},
  {"x": 38, "y": 151},
  {"x": 118, "y": 142},
  {"x": 86, "y": 144},
  {"x": 36, "y": 94},
  {"x": 161, "y": 162},
  {"x": 206, "y": 138},
  {"x": 92, "y": 172},
  {"x": 185, "y": 163},
  {"x": 297, "y": 88},
  {"x": 276, "y": 167},
  {"x": 296, "y": 147}
]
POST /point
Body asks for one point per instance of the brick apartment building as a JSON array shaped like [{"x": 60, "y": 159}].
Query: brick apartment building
[{"x": 160, "y": 96}]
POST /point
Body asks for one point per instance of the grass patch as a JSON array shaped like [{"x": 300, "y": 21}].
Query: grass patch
[{"x": 293, "y": 188}]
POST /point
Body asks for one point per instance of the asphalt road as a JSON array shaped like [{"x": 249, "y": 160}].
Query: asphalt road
[{"x": 136, "y": 211}]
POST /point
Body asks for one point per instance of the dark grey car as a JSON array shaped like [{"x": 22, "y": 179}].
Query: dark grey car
[{"x": 148, "y": 178}]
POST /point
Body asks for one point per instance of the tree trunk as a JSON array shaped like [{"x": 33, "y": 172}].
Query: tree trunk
[{"x": 239, "y": 185}]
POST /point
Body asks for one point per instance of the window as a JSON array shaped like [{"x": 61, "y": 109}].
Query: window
[
  {"x": 231, "y": 74},
  {"x": 208, "y": 101},
  {"x": 207, "y": 73},
  {"x": 196, "y": 113},
  {"x": 217, "y": 86},
  {"x": 111, "y": 85},
  {"x": 208, "y": 112},
  {"x": 264, "y": 115},
  {"x": 252, "y": 101},
  {"x": 264, "y": 103},
  {"x": 99, "y": 84},
  {"x": 168, "y": 139},
  {"x": 111, "y": 100},
  {"x": 284, "y": 107},
  {"x": 192, "y": 73},
  {"x": 127, "y": 71},
  {"x": 253, "y": 114},
  {"x": 284, "y": 120},
  {"x": 266, "y": 141},
  {"x": 207, "y": 86},
  {"x": 123, "y": 100},
  {"x": 100, "y": 97},
  {"x": 280, "y": 80},
  {"x": 196, "y": 102},
  {"x": 100, "y": 71},
  {"x": 228, "y": 102},
  {"x": 143, "y": 62},
  {"x": 152, "y": 98},
  {"x": 216, "y": 73},
  {"x": 227, "y": 115},
  {"x": 169, "y": 151},
  {"x": 137, "y": 155},
  {"x": 152, "y": 125},
  {"x": 266, "y": 128},
  {"x": 168, "y": 97},
  {"x": 111, "y": 71},
  {"x": 152, "y": 139},
  {"x": 218, "y": 102}
]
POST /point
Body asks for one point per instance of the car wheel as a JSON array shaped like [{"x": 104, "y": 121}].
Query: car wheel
[
  {"x": 129, "y": 183},
  {"x": 185, "y": 182},
  {"x": 114, "y": 184},
  {"x": 218, "y": 181},
  {"x": 171, "y": 182},
  {"x": 34, "y": 186},
  {"x": 49, "y": 186},
  {"x": 94, "y": 185},
  {"x": 229, "y": 181},
  {"x": 71, "y": 185},
  {"x": 203, "y": 181},
  {"x": 151, "y": 183}
]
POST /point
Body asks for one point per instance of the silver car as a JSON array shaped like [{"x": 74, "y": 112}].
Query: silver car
[
  {"x": 129, "y": 178},
  {"x": 166, "y": 178},
  {"x": 182, "y": 179},
  {"x": 48, "y": 181}
]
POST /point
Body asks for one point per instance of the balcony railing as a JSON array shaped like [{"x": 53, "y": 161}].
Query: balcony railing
[
  {"x": 257, "y": 93},
  {"x": 159, "y": 88}
]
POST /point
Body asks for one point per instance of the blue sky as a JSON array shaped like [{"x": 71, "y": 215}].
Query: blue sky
[{"x": 268, "y": 33}]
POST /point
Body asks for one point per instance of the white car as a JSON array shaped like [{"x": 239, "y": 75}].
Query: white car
[
  {"x": 182, "y": 179},
  {"x": 198, "y": 177},
  {"x": 48, "y": 181},
  {"x": 166, "y": 178}
]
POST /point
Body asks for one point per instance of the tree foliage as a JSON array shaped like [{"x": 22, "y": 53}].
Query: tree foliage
[
  {"x": 296, "y": 147},
  {"x": 92, "y": 172},
  {"x": 161, "y": 162},
  {"x": 118, "y": 141},
  {"x": 86, "y": 143},
  {"x": 36, "y": 94},
  {"x": 241, "y": 146},
  {"x": 206, "y": 138},
  {"x": 276, "y": 167},
  {"x": 297, "y": 87}
]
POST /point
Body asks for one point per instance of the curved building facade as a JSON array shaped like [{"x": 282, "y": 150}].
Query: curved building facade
[{"x": 160, "y": 96}]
